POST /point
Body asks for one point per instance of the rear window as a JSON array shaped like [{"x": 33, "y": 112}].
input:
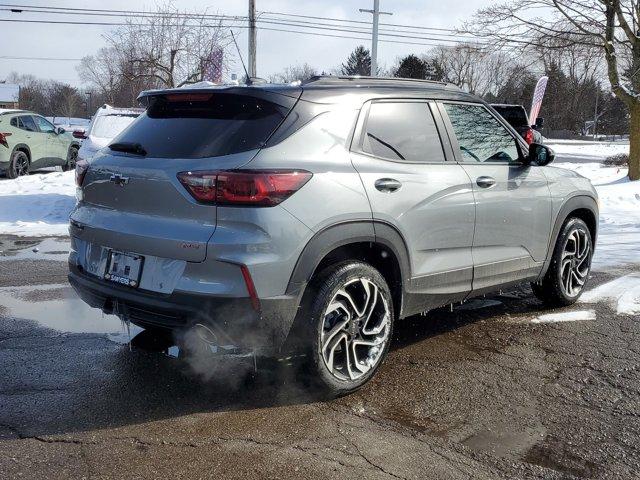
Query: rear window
[
  {"x": 516, "y": 116},
  {"x": 110, "y": 125},
  {"x": 198, "y": 125}
]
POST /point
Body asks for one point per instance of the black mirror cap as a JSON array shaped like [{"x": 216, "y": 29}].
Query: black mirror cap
[
  {"x": 539, "y": 123},
  {"x": 540, "y": 155},
  {"x": 60, "y": 130}
]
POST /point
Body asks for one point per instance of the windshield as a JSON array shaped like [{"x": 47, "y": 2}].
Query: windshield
[
  {"x": 110, "y": 125},
  {"x": 204, "y": 125}
]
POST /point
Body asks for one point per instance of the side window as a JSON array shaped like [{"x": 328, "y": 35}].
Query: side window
[
  {"x": 402, "y": 131},
  {"x": 44, "y": 125},
  {"x": 14, "y": 122},
  {"x": 27, "y": 123},
  {"x": 481, "y": 137}
]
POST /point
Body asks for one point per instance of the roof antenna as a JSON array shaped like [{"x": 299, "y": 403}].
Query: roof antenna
[{"x": 241, "y": 60}]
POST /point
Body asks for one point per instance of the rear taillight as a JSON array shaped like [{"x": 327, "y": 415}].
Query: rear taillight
[
  {"x": 3, "y": 139},
  {"x": 81, "y": 170},
  {"x": 528, "y": 136},
  {"x": 79, "y": 134},
  {"x": 256, "y": 188}
]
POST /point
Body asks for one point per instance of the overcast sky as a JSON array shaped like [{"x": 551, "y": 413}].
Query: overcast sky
[{"x": 276, "y": 50}]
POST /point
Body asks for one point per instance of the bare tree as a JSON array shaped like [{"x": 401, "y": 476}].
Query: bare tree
[
  {"x": 610, "y": 26},
  {"x": 163, "y": 49},
  {"x": 293, "y": 73}
]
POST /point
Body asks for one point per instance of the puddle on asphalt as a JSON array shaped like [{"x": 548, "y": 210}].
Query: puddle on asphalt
[
  {"x": 50, "y": 248},
  {"x": 57, "y": 306}
]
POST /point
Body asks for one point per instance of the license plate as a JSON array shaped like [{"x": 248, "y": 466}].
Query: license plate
[{"x": 124, "y": 268}]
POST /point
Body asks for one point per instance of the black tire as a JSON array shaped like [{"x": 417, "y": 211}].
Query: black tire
[
  {"x": 72, "y": 157},
  {"x": 18, "y": 165},
  {"x": 552, "y": 290},
  {"x": 352, "y": 277}
]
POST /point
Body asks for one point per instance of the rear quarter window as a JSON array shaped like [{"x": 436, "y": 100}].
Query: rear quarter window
[{"x": 199, "y": 125}]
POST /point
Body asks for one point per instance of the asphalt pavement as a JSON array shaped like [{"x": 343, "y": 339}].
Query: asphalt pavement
[{"x": 478, "y": 392}]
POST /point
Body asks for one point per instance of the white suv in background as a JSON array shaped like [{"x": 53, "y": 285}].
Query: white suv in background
[{"x": 105, "y": 125}]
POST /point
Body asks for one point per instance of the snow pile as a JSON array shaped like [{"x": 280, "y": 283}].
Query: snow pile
[
  {"x": 594, "y": 151},
  {"x": 575, "y": 316},
  {"x": 37, "y": 205},
  {"x": 619, "y": 235},
  {"x": 622, "y": 293}
]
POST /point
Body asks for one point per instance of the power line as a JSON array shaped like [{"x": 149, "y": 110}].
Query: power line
[
  {"x": 323, "y": 27},
  {"x": 4, "y": 57}
]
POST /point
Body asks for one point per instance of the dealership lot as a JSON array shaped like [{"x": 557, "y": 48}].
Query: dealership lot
[{"x": 494, "y": 389}]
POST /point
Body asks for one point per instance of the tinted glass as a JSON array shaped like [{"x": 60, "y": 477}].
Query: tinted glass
[
  {"x": 404, "y": 131},
  {"x": 28, "y": 124},
  {"x": 516, "y": 116},
  {"x": 14, "y": 122},
  {"x": 481, "y": 137},
  {"x": 203, "y": 125},
  {"x": 44, "y": 125}
]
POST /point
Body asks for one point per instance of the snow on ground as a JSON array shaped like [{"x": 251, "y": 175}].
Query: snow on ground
[
  {"x": 574, "y": 316},
  {"x": 587, "y": 150},
  {"x": 37, "y": 205},
  {"x": 619, "y": 235},
  {"x": 622, "y": 293}
]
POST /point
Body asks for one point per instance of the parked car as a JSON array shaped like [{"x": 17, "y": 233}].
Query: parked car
[
  {"x": 77, "y": 126},
  {"x": 28, "y": 141},
  {"x": 105, "y": 125},
  {"x": 517, "y": 117},
  {"x": 313, "y": 217}
]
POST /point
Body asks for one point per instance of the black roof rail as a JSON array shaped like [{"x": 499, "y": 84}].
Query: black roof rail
[{"x": 345, "y": 79}]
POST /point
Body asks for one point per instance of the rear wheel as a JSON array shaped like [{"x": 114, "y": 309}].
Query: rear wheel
[
  {"x": 350, "y": 311},
  {"x": 72, "y": 157},
  {"x": 570, "y": 266},
  {"x": 18, "y": 165}
]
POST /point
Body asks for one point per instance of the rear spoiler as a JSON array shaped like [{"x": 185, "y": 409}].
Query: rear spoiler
[{"x": 282, "y": 95}]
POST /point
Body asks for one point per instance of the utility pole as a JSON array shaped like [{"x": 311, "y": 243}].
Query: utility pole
[
  {"x": 252, "y": 39},
  {"x": 374, "y": 34}
]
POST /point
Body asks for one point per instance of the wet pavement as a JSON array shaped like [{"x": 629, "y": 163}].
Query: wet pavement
[{"x": 492, "y": 389}]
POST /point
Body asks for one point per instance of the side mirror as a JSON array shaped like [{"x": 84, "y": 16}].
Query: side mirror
[
  {"x": 539, "y": 123},
  {"x": 540, "y": 155},
  {"x": 60, "y": 131}
]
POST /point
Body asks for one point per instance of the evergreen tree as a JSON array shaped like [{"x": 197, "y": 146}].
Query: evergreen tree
[
  {"x": 411, "y": 67},
  {"x": 358, "y": 63}
]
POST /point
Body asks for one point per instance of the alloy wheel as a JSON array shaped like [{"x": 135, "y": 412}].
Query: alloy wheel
[
  {"x": 575, "y": 262},
  {"x": 21, "y": 166},
  {"x": 356, "y": 329}
]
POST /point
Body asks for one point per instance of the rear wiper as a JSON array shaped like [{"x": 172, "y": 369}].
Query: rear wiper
[{"x": 129, "y": 147}]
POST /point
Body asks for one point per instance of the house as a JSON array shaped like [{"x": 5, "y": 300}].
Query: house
[{"x": 9, "y": 95}]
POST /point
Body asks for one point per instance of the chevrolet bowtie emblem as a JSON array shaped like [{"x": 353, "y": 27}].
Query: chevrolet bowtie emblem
[{"x": 119, "y": 179}]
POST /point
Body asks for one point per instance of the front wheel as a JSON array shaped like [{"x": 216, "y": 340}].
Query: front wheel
[
  {"x": 570, "y": 265},
  {"x": 72, "y": 157},
  {"x": 350, "y": 311}
]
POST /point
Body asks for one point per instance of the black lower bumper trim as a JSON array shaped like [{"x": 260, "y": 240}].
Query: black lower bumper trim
[{"x": 233, "y": 319}]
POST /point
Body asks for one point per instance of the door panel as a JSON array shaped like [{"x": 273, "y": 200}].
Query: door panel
[
  {"x": 47, "y": 131},
  {"x": 36, "y": 141},
  {"x": 513, "y": 222},
  {"x": 427, "y": 198},
  {"x": 513, "y": 202}
]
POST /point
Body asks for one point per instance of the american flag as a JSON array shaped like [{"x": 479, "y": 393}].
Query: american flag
[
  {"x": 538, "y": 95},
  {"x": 213, "y": 66}
]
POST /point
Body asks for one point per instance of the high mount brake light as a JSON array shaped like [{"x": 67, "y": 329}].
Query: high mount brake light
[
  {"x": 188, "y": 97},
  {"x": 81, "y": 170},
  {"x": 255, "y": 188}
]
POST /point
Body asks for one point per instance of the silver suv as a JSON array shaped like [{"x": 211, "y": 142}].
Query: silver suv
[{"x": 314, "y": 216}]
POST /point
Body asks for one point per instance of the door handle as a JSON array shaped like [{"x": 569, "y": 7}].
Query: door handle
[
  {"x": 387, "y": 185},
  {"x": 486, "y": 182}
]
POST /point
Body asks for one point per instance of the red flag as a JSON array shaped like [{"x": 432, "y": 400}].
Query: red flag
[{"x": 538, "y": 95}]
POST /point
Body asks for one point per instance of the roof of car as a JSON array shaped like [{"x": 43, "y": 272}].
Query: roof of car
[
  {"x": 328, "y": 88},
  {"x": 4, "y": 111}
]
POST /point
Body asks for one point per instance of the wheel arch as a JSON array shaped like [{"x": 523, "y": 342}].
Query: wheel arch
[
  {"x": 376, "y": 243},
  {"x": 22, "y": 147},
  {"x": 583, "y": 207}
]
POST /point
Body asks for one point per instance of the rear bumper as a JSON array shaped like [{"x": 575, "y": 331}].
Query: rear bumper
[{"x": 233, "y": 319}]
